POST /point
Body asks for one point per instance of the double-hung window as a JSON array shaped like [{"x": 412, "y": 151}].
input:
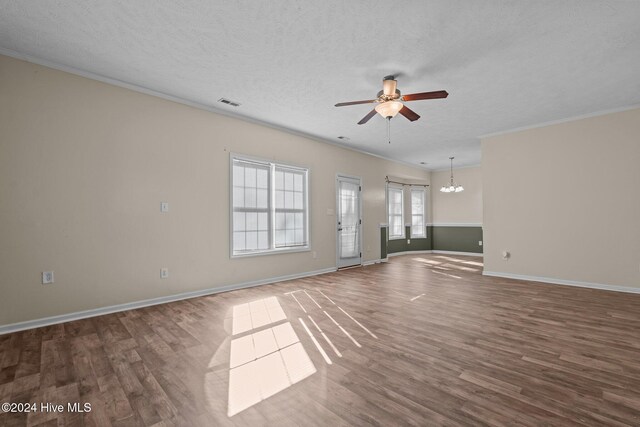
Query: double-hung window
[
  {"x": 418, "y": 226},
  {"x": 395, "y": 208},
  {"x": 291, "y": 208},
  {"x": 269, "y": 207}
]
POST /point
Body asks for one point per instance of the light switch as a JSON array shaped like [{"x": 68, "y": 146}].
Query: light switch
[{"x": 164, "y": 206}]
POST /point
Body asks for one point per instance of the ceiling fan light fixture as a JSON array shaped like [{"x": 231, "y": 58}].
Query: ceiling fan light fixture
[{"x": 389, "y": 108}]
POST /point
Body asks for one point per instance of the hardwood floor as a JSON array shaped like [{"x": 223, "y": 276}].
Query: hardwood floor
[{"x": 421, "y": 340}]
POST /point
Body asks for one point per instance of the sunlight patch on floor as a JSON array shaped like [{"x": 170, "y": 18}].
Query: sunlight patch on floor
[
  {"x": 448, "y": 275},
  {"x": 264, "y": 362},
  {"x": 256, "y": 314},
  {"x": 427, "y": 261}
]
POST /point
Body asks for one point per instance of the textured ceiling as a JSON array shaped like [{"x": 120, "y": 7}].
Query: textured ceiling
[{"x": 505, "y": 64}]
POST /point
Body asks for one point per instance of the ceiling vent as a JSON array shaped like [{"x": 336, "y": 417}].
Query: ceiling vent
[{"x": 226, "y": 101}]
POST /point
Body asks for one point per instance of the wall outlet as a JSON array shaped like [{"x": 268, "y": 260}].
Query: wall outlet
[
  {"x": 479, "y": 242},
  {"x": 164, "y": 273},
  {"x": 314, "y": 254},
  {"x": 164, "y": 207},
  {"x": 47, "y": 277},
  {"x": 408, "y": 241}
]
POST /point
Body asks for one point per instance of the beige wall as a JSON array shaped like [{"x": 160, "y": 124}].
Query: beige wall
[
  {"x": 457, "y": 208},
  {"x": 564, "y": 200},
  {"x": 84, "y": 166}
]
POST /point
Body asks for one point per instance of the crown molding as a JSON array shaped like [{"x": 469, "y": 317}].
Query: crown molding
[
  {"x": 141, "y": 89},
  {"x": 560, "y": 121},
  {"x": 479, "y": 165}
]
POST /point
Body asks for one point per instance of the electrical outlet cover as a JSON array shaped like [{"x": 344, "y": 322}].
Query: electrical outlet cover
[{"x": 47, "y": 277}]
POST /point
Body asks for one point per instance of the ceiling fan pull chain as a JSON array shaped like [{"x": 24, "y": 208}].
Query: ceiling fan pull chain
[{"x": 389, "y": 129}]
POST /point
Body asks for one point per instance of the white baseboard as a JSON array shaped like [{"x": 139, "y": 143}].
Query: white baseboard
[
  {"x": 455, "y": 224},
  {"x": 615, "y": 288},
  {"x": 375, "y": 261},
  {"x": 409, "y": 253},
  {"x": 46, "y": 321},
  {"x": 435, "y": 252},
  {"x": 480, "y": 254}
]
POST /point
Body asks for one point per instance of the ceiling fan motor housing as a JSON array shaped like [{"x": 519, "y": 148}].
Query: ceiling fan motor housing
[{"x": 383, "y": 97}]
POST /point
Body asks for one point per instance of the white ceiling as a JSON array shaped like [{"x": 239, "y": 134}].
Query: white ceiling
[{"x": 505, "y": 64}]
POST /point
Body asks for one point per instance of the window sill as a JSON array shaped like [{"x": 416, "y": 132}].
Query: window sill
[{"x": 273, "y": 252}]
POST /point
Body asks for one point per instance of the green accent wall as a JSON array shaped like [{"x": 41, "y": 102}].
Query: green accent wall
[
  {"x": 402, "y": 245},
  {"x": 459, "y": 239},
  {"x": 383, "y": 242},
  {"x": 439, "y": 238}
]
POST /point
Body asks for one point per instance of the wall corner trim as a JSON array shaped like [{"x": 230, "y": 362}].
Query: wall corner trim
[
  {"x": 62, "y": 318},
  {"x": 563, "y": 282}
]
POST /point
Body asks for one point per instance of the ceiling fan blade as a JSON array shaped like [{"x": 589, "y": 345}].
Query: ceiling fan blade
[
  {"x": 366, "y": 118},
  {"x": 343, "y": 104},
  {"x": 425, "y": 95},
  {"x": 409, "y": 113}
]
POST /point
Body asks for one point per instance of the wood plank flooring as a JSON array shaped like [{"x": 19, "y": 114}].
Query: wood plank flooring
[{"x": 422, "y": 340}]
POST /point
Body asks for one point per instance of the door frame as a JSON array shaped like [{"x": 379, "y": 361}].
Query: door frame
[{"x": 359, "y": 179}]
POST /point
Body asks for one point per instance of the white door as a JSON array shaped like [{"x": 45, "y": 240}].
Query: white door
[{"x": 349, "y": 221}]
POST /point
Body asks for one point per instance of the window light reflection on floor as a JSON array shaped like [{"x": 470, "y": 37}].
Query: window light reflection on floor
[
  {"x": 264, "y": 362},
  {"x": 448, "y": 275},
  {"x": 256, "y": 314},
  {"x": 476, "y": 263},
  {"x": 427, "y": 261}
]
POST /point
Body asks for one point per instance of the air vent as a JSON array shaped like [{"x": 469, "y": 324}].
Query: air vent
[
  {"x": 344, "y": 138},
  {"x": 226, "y": 101}
]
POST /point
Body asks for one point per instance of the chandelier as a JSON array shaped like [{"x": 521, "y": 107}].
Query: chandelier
[{"x": 452, "y": 187}]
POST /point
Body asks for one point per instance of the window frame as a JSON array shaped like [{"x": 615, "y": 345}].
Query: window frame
[
  {"x": 423, "y": 234},
  {"x": 404, "y": 232},
  {"x": 271, "y": 207}
]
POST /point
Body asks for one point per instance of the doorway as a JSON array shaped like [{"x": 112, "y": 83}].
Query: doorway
[{"x": 349, "y": 221}]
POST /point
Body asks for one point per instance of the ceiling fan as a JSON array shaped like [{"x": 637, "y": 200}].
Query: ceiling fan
[{"x": 389, "y": 104}]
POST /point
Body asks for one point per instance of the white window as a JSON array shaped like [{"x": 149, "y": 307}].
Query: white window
[
  {"x": 396, "y": 217},
  {"x": 269, "y": 207},
  {"x": 418, "y": 228},
  {"x": 290, "y": 211}
]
